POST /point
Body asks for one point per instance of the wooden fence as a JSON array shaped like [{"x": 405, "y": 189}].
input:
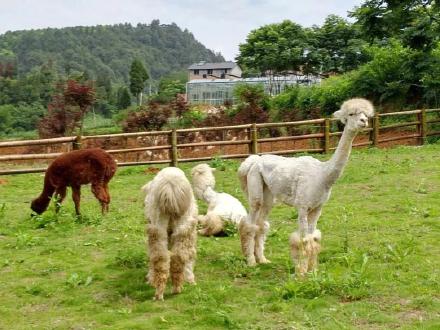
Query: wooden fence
[{"x": 419, "y": 126}]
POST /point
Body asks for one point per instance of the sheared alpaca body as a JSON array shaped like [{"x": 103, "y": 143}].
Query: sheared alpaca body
[
  {"x": 74, "y": 169},
  {"x": 222, "y": 207},
  {"x": 302, "y": 182},
  {"x": 171, "y": 211}
]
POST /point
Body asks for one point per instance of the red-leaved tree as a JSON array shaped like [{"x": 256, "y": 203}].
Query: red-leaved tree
[{"x": 65, "y": 113}]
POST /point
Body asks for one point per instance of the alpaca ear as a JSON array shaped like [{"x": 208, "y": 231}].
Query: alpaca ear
[{"x": 340, "y": 115}]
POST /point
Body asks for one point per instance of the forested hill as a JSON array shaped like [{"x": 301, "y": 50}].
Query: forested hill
[{"x": 105, "y": 51}]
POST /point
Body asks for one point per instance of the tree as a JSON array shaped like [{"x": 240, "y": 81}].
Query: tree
[
  {"x": 252, "y": 105},
  {"x": 275, "y": 49},
  {"x": 414, "y": 22},
  {"x": 67, "y": 109},
  {"x": 138, "y": 77},
  {"x": 124, "y": 98},
  {"x": 338, "y": 45}
]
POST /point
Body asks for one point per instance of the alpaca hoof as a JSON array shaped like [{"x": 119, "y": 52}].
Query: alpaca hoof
[
  {"x": 177, "y": 290},
  {"x": 264, "y": 261},
  {"x": 251, "y": 262},
  {"x": 158, "y": 297}
]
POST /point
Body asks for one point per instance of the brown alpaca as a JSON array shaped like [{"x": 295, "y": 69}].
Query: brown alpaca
[{"x": 73, "y": 169}]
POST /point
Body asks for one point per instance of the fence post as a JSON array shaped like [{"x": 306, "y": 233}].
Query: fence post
[
  {"x": 374, "y": 135},
  {"x": 76, "y": 144},
  {"x": 253, "y": 147},
  {"x": 422, "y": 126},
  {"x": 326, "y": 137},
  {"x": 174, "y": 154}
]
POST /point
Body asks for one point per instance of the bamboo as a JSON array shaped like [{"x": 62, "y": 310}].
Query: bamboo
[
  {"x": 217, "y": 128},
  {"x": 400, "y": 113},
  {"x": 254, "y": 140},
  {"x": 422, "y": 126},
  {"x": 291, "y": 123},
  {"x": 411, "y": 123},
  {"x": 76, "y": 145},
  {"x": 326, "y": 138},
  {"x": 174, "y": 154},
  {"x": 22, "y": 171},
  {"x": 29, "y": 156},
  {"x": 376, "y": 130},
  {"x": 289, "y": 138},
  {"x": 405, "y": 137},
  {"x": 213, "y": 143},
  {"x": 37, "y": 142},
  {"x": 118, "y": 151},
  {"x": 91, "y": 137},
  {"x": 293, "y": 151}
]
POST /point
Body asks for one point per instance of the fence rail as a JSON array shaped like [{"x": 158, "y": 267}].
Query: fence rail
[{"x": 423, "y": 128}]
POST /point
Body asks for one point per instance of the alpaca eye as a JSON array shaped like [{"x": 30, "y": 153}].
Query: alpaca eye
[{"x": 351, "y": 114}]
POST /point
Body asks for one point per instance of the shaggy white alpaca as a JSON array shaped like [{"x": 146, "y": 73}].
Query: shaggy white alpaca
[
  {"x": 222, "y": 207},
  {"x": 171, "y": 210},
  {"x": 302, "y": 182}
]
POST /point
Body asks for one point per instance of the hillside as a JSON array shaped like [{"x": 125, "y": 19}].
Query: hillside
[{"x": 105, "y": 50}]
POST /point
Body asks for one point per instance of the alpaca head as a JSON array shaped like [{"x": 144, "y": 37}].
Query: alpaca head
[
  {"x": 354, "y": 113},
  {"x": 202, "y": 177},
  {"x": 40, "y": 204}
]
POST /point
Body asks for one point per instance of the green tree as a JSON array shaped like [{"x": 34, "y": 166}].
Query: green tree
[
  {"x": 138, "y": 77},
  {"x": 338, "y": 45},
  {"x": 274, "y": 48},
  {"x": 124, "y": 98},
  {"x": 414, "y": 22}
]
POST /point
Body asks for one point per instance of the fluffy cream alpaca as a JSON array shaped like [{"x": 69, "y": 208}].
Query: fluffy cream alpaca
[
  {"x": 171, "y": 210},
  {"x": 222, "y": 207},
  {"x": 302, "y": 182}
]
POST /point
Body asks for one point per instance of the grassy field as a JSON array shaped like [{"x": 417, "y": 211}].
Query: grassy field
[{"x": 379, "y": 268}]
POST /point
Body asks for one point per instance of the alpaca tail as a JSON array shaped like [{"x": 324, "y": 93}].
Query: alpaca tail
[
  {"x": 40, "y": 204},
  {"x": 244, "y": 169},
  {"x": 174, "y": 196}
]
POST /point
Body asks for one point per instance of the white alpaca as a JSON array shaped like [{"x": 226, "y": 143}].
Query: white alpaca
[
  {"x": 171, "y": 210},
  {"x": 222, "y": 207},
  {"x": 302, "y": 182}
]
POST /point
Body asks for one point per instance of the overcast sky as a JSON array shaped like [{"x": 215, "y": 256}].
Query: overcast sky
[{"x": 219, "y": 25}]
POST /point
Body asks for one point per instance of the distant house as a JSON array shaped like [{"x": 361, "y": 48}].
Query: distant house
[{"x": 210, "y": 71}]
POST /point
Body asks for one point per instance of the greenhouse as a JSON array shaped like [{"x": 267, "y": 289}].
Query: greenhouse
[{"x": 219, "y": 91}]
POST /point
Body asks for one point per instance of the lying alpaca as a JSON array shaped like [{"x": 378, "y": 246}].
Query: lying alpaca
[
  {"x": 222, "y": 207},
  {"x": 73, "y": 169},
  {"x": 171, "y": 209},
  {"x": 302, "y": 182}
]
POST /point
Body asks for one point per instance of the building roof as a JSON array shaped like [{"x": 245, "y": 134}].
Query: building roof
[{"x": 219, "y": 65}]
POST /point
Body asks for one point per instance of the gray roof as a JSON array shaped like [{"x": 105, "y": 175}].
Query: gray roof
[{"x": 218, "y": 65}]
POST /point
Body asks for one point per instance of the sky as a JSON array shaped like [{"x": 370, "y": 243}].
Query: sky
[{"x": 220, "y": 25}]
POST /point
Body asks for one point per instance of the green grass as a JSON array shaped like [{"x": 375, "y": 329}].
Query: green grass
[{"x": 379, "y": 268}]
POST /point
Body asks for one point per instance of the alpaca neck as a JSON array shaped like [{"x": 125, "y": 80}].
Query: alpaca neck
[
  {"x": 209, "y": 195},
  {"x": 336, "y": 164}
]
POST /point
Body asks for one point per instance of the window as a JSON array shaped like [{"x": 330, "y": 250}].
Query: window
[
  {"x": 222, "y": 76},
  {"x": 209, "y": 71},
  {"x": 204, "y": 76},
  {"x": 196, "y": 72}
]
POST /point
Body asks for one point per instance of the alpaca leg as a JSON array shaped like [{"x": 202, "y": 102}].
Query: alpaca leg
[
  {"x": 76, "y": 196},
  {"x": 159, "y": 259},
  {"x": 213, "y": 225},
  {"x": 247, "y": 233},
  {"x": 263, "y": 227},
  {"x": 298, "y": 244},
  {"x": 183, "y": 251},
  {"x": 255, "y": 189},
  {"x": 60, "y": 194},
  {"x": 260, "y": 240},
  {"x": 313, "y": 239}
]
